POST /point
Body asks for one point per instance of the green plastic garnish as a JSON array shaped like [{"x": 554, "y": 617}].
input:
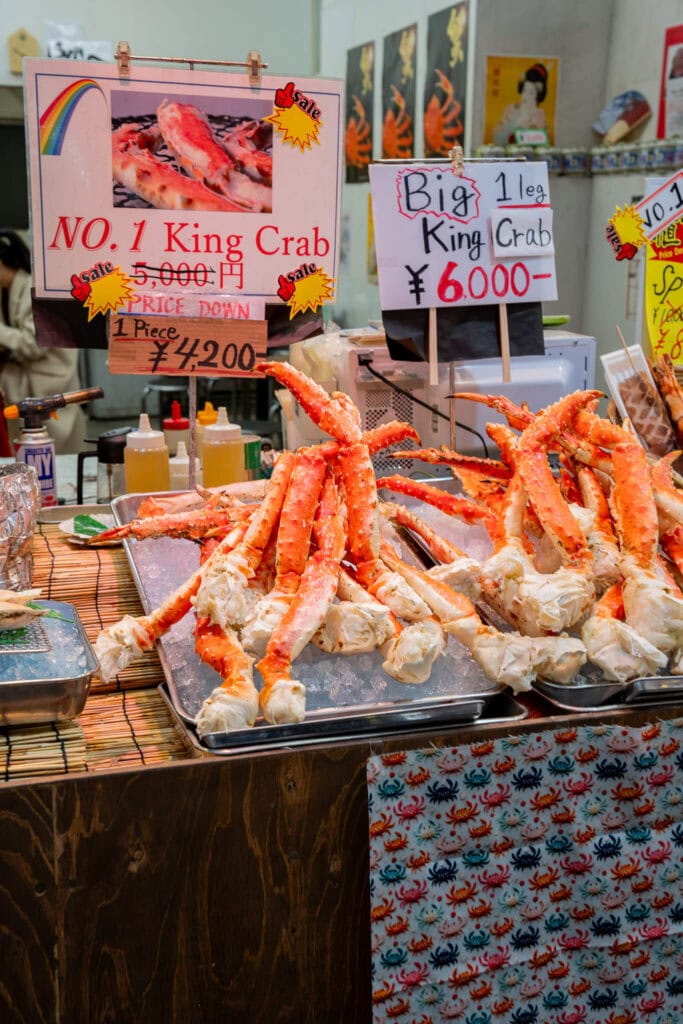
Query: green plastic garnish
[
  {"x": 48, "y": 613},
  {"x": 12, "y": 636},
  {"x": 87, "y": 526}
]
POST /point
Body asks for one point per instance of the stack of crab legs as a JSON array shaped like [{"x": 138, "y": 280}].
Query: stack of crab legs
[{"x": 596, "y": 551}]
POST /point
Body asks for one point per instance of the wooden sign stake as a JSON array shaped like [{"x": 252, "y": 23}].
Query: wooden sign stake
[
  {"x": 433, "y": 348},
  {"x": 504, "y": 341}
]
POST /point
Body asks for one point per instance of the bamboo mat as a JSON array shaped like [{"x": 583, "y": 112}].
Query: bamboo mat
[
  {"x": 124, "y": 730},
  {"x": 125, "y": 723},
  {"x": 36, "y": 750},
  {"x": 98, "y": 582}
]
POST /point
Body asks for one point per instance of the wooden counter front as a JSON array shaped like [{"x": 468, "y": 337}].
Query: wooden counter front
[{"x": 217, "y": 890}]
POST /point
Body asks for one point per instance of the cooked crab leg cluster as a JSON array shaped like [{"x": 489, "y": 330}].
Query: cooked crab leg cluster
[{"x": 313, "y": 560}]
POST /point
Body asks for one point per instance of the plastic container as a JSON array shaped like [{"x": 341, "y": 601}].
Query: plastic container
[
  {"x": 179, "y": 469},
  {"x": 222, "y": 452},
  {"x": 205, "y": 417},
  {"x": 252, "y": 456},
  {"x": 176, "y": 428},
  {"x": 146, "y": 459}
]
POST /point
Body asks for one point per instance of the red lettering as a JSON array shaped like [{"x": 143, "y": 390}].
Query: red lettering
[
  {"x": 64, "y": 228},
  {"x": 259, "y": 240},
  {"x": 318, "y": 242},
  {"x": 105, "y": 231}
]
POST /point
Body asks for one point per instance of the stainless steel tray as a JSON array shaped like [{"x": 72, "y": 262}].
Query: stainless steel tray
[
  {"x": 609, "y": 696},
  {"x": 497, "y": 709},
  {"x": 591, "y": 691},
  {"x": 341, "y": 691},
  {"x": 45, "y": 669}
]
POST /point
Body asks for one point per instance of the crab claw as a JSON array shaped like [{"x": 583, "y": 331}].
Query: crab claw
[{"x": 325, "y": 411}]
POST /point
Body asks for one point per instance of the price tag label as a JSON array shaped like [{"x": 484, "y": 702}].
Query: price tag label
[
  {"x": 186, "y": 347},
  {"x": 663, "y": 206},
  {"x": 480, "y": 238}
]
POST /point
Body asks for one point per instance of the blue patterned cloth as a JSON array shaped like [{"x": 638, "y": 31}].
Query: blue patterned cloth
[{"x": 530, "y": 880}]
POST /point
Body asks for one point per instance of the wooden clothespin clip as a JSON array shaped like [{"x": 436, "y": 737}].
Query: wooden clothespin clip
[
  {"x": 254, "y": 68},
  {"x": 123, "y": 58},
  {"x": 457, "y": 160}
]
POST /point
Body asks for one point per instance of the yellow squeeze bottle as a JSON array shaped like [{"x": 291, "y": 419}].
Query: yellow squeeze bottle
[
  {"x": 145, "y": 459},
  {"x": 222, "y": 452},
  {"x": 205, "y": 417}
]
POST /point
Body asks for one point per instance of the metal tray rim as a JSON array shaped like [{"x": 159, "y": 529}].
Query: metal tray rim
[{"x": 315, "y": 717}]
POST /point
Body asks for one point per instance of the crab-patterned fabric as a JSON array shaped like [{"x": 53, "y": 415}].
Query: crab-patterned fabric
[{"x": 530, "y": 880}]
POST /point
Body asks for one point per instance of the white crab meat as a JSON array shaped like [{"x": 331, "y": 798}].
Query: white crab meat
[
  {"x": 651, "y": 606},
  {"x": 409, "y": 656},
  {"x": 398, "y": 595},
  {"x": 119, "y": 645},
  {"x": 620, "y": 651},
  {"x": 223, "y": 593},
  {"x": 262, "y": 620},
  {"x": 535, "y": 603},
  {"x": 286, "y": 702},
  {"x": 354, "y": 627},
  {"x": 226, "y": 712},
  {"x": 462, "y": 575},
  {"x": 558, "y": 658}
]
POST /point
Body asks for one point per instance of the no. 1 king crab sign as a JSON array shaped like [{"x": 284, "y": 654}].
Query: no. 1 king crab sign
[
  {"x": 482, "y": 237},
  {"x": 158, "y": 193}
]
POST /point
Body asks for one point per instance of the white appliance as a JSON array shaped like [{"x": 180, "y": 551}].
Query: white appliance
[{"x": 568, "y": 365}]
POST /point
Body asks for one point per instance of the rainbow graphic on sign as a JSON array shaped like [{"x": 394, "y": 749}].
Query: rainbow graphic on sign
[{"x": 55, "y": 120}]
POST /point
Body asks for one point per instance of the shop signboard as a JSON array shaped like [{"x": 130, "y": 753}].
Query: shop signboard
[
  {"x": 480, "y": 237},
  {"x": 186, "y": 346},
  {"x": 184, "y": 182}
]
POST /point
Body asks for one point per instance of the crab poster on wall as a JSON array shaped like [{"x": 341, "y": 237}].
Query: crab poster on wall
[
  {"x": 360, "y": 99},
  {"x": 398, "y": 94},
  {"x": 185, "y": 182},
  {"x": 445, "y": 91}
]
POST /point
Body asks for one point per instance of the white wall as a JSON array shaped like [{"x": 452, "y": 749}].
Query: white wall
[
  {"x": 577, "y": 32},
  {"x": 634, "y": 62},
  {"x": 213, "y": 29}
]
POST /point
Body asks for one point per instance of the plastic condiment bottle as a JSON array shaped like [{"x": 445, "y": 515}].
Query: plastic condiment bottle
[
  {"x": 179, "y": 468},
  {"x": 146, "y": 459},
  {"x": 222, "y": 452},
  {"x": 205, "y": 417},
  {"x": 252, "y": 456},
  {"x": 176, "y": 428}
]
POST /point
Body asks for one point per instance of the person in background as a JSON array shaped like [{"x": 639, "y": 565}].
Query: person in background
[{"x": 26, "y": 370}]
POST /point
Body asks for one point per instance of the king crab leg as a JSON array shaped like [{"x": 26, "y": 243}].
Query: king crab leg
[
  {"x": 242, "y": 146},
  {"x": 541, "y": 486},
  {"x": 293, "y": 542},
  {"x": 614, "y": 646},
  {"x": 222, "y": 593},
  {"x": 454, "y": 567},
  {"x": 534, "y": 603},
  {"x": 136, "y": 168},
  {"x": 189, "y": 136},
  {"x": 325, "y": 411},
  {"x": 652, "y": 605},
  {"x": 363, "y": 530},
  {"x": 191, "y": 525},
  {"x": 283, "y": 699},
  {"x": 507, "y": 658},
  {"x": 120, "y": 644}
]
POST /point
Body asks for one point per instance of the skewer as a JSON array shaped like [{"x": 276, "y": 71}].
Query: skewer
[{"x": 636, "y": 372}]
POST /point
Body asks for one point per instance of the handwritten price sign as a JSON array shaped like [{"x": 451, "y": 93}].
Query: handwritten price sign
[
  {"x": 663, "y": 206},
  {"x": 480, "y": 238},
  {"x": 186, "y": 347}
]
